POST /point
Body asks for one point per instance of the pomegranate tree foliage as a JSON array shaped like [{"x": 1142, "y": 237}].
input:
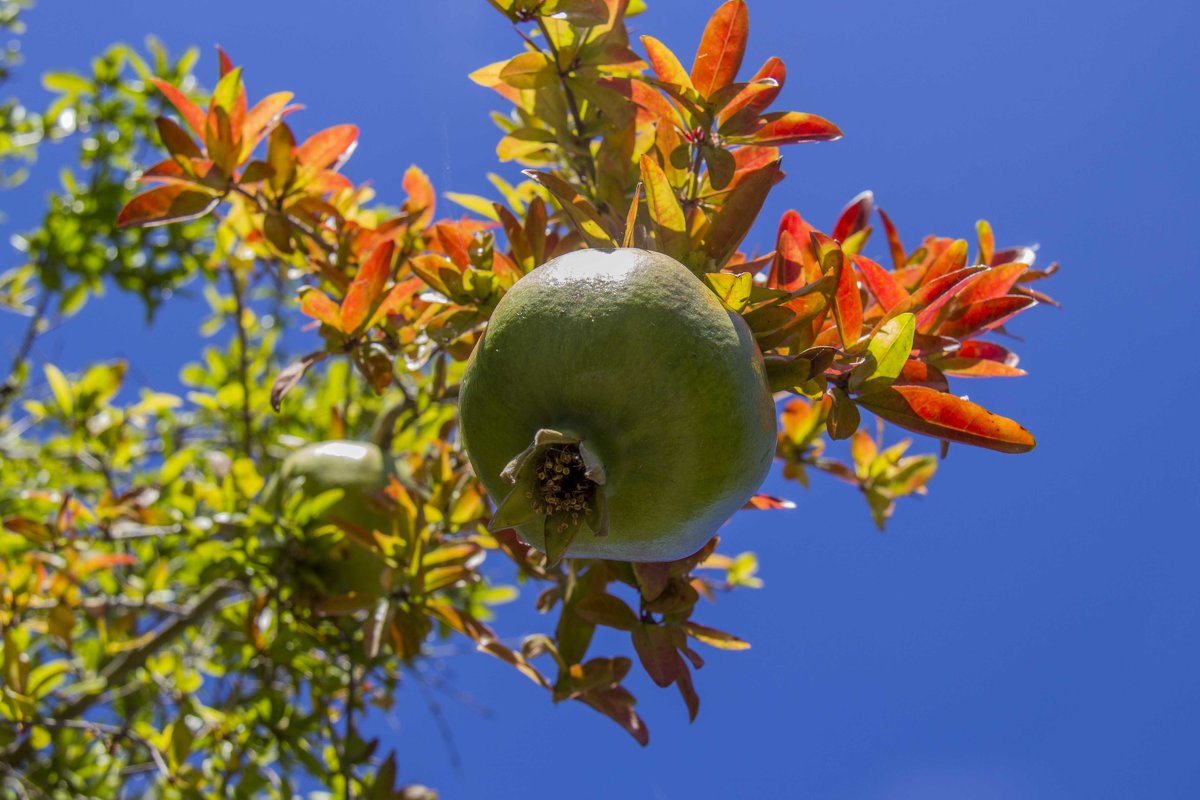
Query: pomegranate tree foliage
[{"x": 166, "y": 630}]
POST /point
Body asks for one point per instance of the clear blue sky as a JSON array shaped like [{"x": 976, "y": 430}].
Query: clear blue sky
[{"x": 1029, "y": 630}]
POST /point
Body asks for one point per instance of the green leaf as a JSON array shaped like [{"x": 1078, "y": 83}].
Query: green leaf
[
  {"x": 887, "y": 352},
  {"x": 61, "y": 388},
  {"x": 66, "y": 83},
  {"x": 733, "y": 290},
  {"x": 529, "y": 71}
]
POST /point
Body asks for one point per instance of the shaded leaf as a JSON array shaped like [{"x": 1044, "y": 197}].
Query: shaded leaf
[
  {"x": 172, "y": 203},
  {"x": 665, "y": 211},
  {"x": 290, "y": 375},
  {"x": 577, "y": 208}
]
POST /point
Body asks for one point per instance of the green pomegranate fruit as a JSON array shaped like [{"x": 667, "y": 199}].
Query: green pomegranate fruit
[
  {"x": 614, "y": 409},
  {"x": 360, "y": 470}
]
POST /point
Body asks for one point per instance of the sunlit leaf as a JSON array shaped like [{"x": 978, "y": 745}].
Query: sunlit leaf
[
  {"x": 792, "y": 127},
  {"x": 722, "y": 47},
  {"x": 665, "y": 64},
  {"x": 923, "y": 410}
]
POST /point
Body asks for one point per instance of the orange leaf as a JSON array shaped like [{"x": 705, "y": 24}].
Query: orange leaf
[
  {"x": 327, "y": 148},
  {"x": 766, "y": 502},
  {"x": 747, "y": 104},
  {"x": 396, "y": 299},
  {"x": 664, "y": 63},
  {"x": 105, "y": 561},
  {"x": 887, "y": 291},
  {"x": 367, "y": 287},
  {"x": 316, "y": 304},
  {"x": 952, "y": 258},
  {"x": 918, "y": 373},
  {"x": 923, "y": 410},
  {"x": 260, "y": 119},
  {"x": 190, "y": 112},
  {"x": 991, "y": 283},
  {"x": 421, "y": 197},
  {"x": 171, "y": 203},
  {"x": 791, "y": 127},
  {"x": 722, "y": 48},
  {"x": 978, "y": 368}
]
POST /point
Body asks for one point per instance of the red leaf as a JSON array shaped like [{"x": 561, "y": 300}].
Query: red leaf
[
  {"x": 974, "y": 348},
  {"x": 665, "y": 64},
  {"x": 887, "y": 291},
  {"x": 657, "y": 653},
  {"x": 617, "y": 704},
  {"x": 765, "y": 502},
  {"x": 171, "y": 203},
  {"x": 226, "y": 63},
  {"x": 854, "y": 217},
  {"x": 894, "y": 244},
  {"x": 926, "y": 411},
  {"x": 846, "y": 301},
  {"x": 745, "y": 107},
  {"x": 994, "y": 282},
  {"x": 367, "y": 288},
  {"x": 190, "y": 112},
  {"x": 791, "y": 127},
  {"x": 794, "y": 264},
  {"x": 722, "y": 47},
  {"x": 984, "y": 315},
  {"x": 326, "y": 148}
]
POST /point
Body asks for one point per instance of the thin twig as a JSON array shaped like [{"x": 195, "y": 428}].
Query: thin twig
[
  {"x": 439, "y": 719},
  {"x": 348, "y": 737},
  {"x": 243, "y": 362},
  {"x": 303, "y": 227},
  {"x": 127, "y": 662},
  {"x": 115, "y": 732},
  {"x": 12, "y": 383}
]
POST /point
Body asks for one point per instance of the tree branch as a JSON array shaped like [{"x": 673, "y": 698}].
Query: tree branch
[{"x": 13, "y": 383}]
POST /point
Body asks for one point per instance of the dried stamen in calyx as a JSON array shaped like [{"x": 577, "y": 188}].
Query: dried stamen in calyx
[
  {"x": 562, "y": 482},
  {"x": 559, "y": 480}
]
